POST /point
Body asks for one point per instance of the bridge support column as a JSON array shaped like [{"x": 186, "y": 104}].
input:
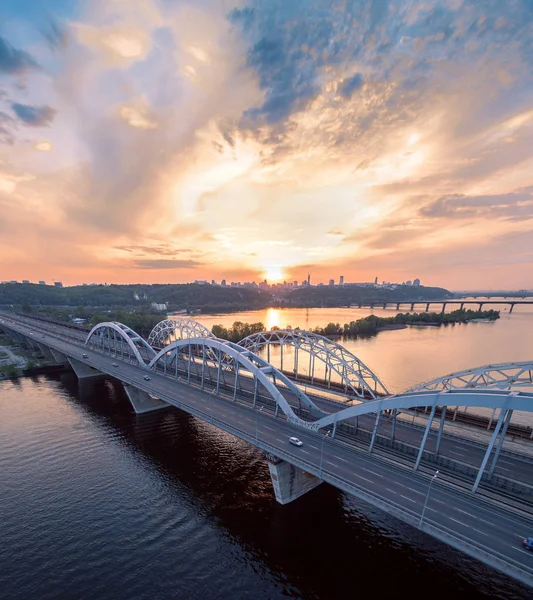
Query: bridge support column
[
  {"x": 511, "y": 309},
  {"x": 500, "y": 442},
  {"x": 441, "y": 428},
  {"x": 374, "y": 433},
  {"x": 45, "y": 351},
  {"x": 290, "y": 482},
  {"x": 412, "y": 306},
  {"x": 427, "y": 307},
  {"x": 59, "y": 357},
  {"x": 82, "y": 370},
  {"x": 141, "y": 401},
  {"x": 489, "y": 449},
  {"x": 424, "y": 439}
]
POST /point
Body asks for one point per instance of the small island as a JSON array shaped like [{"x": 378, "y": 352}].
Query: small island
[{"x": 367, "y": 326}]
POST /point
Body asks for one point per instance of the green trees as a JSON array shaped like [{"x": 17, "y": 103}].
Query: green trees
[
  {"x": 238, "y": 331},
  {"x": 362, "y": 327}
]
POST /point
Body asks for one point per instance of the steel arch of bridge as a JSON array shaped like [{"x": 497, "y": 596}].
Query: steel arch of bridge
[
  {"x": 112, "y": 335},
  {"x": 354, "y": 374},
  {"x": 161, "y": 335},
  {"x": 485, "y": 398},
  {"x": 502, "y": 376},
  {"x": 234, "y": 358}
]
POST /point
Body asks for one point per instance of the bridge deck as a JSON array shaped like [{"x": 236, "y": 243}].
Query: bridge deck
[{"x": 484, "y": 529}]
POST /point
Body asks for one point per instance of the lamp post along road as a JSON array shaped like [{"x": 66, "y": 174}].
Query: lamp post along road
[
  {"x": 427, "y": 498},
  {"x": 322, "y": 451}
]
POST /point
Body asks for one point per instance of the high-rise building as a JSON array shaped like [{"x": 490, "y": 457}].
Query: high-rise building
[
  {"x": 341, "y": 280},
  {"x": 376, "y": 281},
  {"x": 58, "y": 284},
  {"x": 295, "y": 284},
  {"x": 416, "y": 282},
  {"x": 25, "y": 281},
  {"x": 331, "y": 282},
  {"x": 41, "y": 282},
  {"x": 308, "y": 278},
  {"x": 223, "y": 283}
]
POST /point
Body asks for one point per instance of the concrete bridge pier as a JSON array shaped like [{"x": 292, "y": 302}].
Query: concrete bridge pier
[
  {"x": 59, "y": 357},
  {"x": 289, "y": 482},
  {"x": 45, "y": 351},
  {"x": 397, "y": 306},
  {"x": 511, "y": 309},
  {"x": 82, "y": 370},
  {"x": 412, "y": 306},
  {"x": 427, "y": 307},
  {"x": 141, "y": 401}
]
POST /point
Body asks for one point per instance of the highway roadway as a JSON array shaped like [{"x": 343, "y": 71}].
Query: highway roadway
[
  {"x": 453, "y": 448},
  {"x": 482, "y": 529}
]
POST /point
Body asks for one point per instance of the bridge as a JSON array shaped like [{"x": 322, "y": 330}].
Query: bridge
[
  {"x": 442, "y": 303},
  {"x": 475, "y": 494}
]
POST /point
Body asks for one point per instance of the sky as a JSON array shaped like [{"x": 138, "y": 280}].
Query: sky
[{"x": 163, "y": 141}]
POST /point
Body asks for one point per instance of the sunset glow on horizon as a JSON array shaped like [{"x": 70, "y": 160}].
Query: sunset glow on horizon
[{"x": 174, "y": 140}]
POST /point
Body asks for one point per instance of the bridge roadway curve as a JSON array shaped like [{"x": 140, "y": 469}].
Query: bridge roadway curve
[
  {"x": 453, "y": 448},
  {"x": 484, "y": 530}
]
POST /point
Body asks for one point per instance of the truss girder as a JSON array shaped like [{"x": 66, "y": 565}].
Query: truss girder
[
  {"x": 353, "y": 373},
  {"x": 504, "y": 376},
  {"x": 243, "y": 359},
  {"x": 171, "y": 330},
  {"x": 107, "y": 332},
  {"x": 495, "y": 399}
]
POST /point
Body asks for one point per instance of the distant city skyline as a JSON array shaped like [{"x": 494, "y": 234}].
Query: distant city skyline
[{"x": 162, "y": 141}]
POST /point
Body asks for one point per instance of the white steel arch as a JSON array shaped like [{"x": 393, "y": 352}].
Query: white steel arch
[
  {"x": 171, "y": 330},
  {"x": 508, "y": 400},
  {"x": 502, "y": 376},
  {"x": 353, "y": 373},
  {"x": 247, "y": 360},
  {"x": 108, "y": 336}
]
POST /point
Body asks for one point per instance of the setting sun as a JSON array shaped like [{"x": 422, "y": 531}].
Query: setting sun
[{"x": 274, "y": 274}]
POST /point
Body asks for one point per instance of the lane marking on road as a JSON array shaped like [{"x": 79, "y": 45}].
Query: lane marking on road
[
  {"x": 407, "y": 498},
  {"x": 330, "y": 463},
  {"x": 391, "y": 491},
  {"x": 364, "y": 478},
  {"x": 373, "y": 472},
  {"x": 498, "y": 468},
  {"x": 267, "y": 427},
  {"x": 466, "y": 513},
  {"x": 460, "y": 522},
  {"x": 479, "y": 531},
  {"x": 413, "y": 490},
  {"x": 520, "y": 550},
  {"x": 438, "y": 501},
  {"x": 247, "y": 418},
  {"x": 456, "y": 453},
  {"x": 339, "y": 458},
  {"x": 311, "y": 446},
  {"x": 304, "y": 451},
  {"x": 277, "y": 439}
]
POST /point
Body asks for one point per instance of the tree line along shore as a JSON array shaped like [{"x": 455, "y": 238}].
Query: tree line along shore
[{"x": 367, "y": 326}]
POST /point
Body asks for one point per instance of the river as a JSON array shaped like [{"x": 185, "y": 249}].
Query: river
[{"x": 98, "y": 503}]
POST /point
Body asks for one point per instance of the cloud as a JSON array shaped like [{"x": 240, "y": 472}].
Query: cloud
[
  {"x": 34, "y": 116},
  {"x": 166, "y": 264},
  {"x": 162, "y": 250},
  {"x": 350, "y": 85},
  {"x": 14, "y": 61},
  {"x": 7, "y": 126},
  {"x": 517, "y": 205}
]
